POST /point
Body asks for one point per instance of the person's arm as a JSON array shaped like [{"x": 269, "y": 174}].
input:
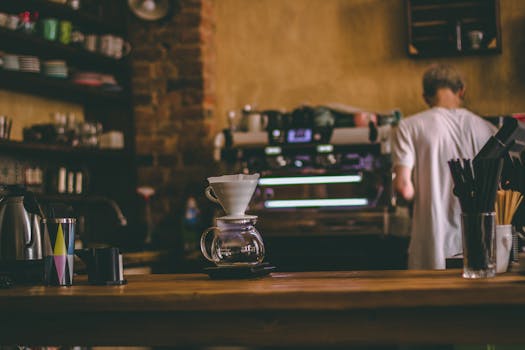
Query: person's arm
[
  {"x": 403, "y": 182},
  {"x": 403, "y": 161}
]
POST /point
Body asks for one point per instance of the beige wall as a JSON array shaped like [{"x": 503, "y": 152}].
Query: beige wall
[
  {"x": 281, "y": 53},
  {"x": 26, "y": 110}
]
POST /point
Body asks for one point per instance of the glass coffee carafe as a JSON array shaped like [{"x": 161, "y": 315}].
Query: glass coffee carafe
[{"x": 236, "y": 241}]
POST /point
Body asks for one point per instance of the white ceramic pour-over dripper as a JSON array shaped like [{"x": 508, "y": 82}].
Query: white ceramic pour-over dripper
[{"x": 232, "y": 192}]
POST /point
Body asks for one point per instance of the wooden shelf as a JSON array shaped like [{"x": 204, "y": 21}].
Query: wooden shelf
[
  {"x": 429, "y": 23},
  {"x": 61, "y": 89},
  {"x": 109, "y": 172},
  {"x": 27, "y": 44},
  {"x": 46, "y": 8},
  {"x": 454, "y": 53},
  {"x": 440, "y": 23},
  {"x": 54, "y": 150}
]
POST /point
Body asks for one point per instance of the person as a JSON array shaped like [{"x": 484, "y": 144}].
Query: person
[{"x": 423, "y": 143}]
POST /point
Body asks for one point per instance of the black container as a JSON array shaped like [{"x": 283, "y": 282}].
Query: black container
[{"x": 104, "y": 265}]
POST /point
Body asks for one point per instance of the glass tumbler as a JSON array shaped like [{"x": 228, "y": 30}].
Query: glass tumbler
[
  {"x": 479, "y": 236},
  {"x": 59, "y": 265}
]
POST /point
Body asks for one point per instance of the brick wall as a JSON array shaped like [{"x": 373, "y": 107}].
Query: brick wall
[{"x": 173, "y": 99}]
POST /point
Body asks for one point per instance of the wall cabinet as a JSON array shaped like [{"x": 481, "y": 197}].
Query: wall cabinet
[{"x": 453, "y": 27}]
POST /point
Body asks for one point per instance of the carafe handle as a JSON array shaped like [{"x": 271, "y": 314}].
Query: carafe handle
[
  {"x": 203, "y": 242},
  {"x": 210, "y": 195}
]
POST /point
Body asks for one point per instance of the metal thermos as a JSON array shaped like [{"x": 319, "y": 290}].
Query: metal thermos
[{"x": 23, "y": 242}]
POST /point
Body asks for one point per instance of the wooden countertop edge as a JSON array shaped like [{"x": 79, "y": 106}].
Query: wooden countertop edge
[
  {"x": 282, "y": 292},
  {"x": 242, "y": 303}
]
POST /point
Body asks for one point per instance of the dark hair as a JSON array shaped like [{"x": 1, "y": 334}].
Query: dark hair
[{"x": 440, "y": 76}]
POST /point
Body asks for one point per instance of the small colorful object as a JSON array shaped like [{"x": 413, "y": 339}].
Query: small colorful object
[{"x": 59, "y": 265}]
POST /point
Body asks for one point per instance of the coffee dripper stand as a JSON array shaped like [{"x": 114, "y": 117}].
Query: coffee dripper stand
[{"x": 237, "y": 248}]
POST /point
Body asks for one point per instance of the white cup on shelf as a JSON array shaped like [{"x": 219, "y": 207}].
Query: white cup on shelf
[
  {"x": 12, "y": 22},
  {"x": 476, "y": 38},
  {"x": 114, "y": 46},
  {"x": 91, "y": 42},
  {"x": 3, "y": 19},
  {"x": 106, "y": 45},
  {"x": 121, "y": 47}
]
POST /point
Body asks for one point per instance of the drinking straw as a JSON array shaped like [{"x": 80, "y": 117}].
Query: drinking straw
[
  {"x": 476, "y": 184},
  {"x": 506, "y": 205}
]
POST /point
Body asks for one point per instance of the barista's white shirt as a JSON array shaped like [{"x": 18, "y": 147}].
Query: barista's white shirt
[{"x": 424, "y": 143}]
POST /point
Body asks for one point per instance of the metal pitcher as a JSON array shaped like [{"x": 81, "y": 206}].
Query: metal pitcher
[{"x": 21, "y": 235}]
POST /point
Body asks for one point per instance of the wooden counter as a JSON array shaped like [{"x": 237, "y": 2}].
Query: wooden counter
[{"x": 286, "y": 309}]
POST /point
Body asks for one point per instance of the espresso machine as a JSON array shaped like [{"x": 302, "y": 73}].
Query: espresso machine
[{"x": 325, "y": 197}]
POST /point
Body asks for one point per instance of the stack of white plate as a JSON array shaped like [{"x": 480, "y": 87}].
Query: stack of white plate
[
  {"x": 29, "y": 64},
  {"x": 55, "y": 69}
]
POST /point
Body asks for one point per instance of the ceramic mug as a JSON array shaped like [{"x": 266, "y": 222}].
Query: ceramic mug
[
  {"x": 476, "y": 38},
  {"x": 49, "y": 28},
  {"x": 12, "y": 22},
  {"x": 65, "y": 32},
  {"x": 254, "y": 121},
  {"x": 106, "y": 45},
  {"x": 503, "y": 247},
  {"x": 121, "y": 47},
  {"x": 90, "y": 42},
  {"x": 3, "y": 19},
  {"x": 114, "y": 46}
]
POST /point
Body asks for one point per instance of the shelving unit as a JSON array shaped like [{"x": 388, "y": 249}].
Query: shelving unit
[
  {"x": 442, "y": 27},
  {"x": 111, "y": 173}
]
